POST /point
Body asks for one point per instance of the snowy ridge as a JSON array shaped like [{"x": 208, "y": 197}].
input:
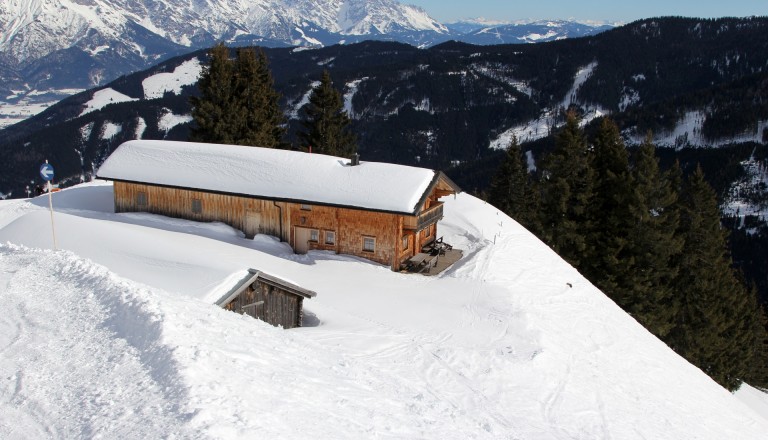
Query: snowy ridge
[
  {"x": 499, "y": 346},
  {"x": 494, "y": 32}
]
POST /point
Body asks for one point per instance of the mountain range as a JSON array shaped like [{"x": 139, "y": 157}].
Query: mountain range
[{"x": 50, "y": 49}]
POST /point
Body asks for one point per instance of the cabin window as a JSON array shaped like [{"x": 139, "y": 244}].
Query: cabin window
[
  {"x": 330, "y": 237},
  {"x": 141, "y": 198},
  {"x": 197, "y": 206},
  {"x": 306, "y": 207},
  {"x": 426, "y": 232},
  {"x": 369, "y": 244},
  {"x": 314, "y": 235},
  {"x": 405, "y": 242}
]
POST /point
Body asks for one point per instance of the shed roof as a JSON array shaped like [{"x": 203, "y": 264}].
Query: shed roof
[
  {"x": 272, "y": 174},
  {"x": 254, "y": 275}
]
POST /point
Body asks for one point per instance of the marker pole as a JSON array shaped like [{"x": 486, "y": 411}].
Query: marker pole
[{"x": 50, "y": 205}]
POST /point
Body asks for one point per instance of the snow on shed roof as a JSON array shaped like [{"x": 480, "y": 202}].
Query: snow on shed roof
[{"x": 270, "y": 173}]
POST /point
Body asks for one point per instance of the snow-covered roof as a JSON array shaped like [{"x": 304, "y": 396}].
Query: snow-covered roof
[
  {"x": 271, "y": 173},
  {"x": 252, "y": 276}
]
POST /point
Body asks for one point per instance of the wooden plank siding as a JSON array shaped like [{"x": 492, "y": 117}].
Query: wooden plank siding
[
  {"x": 350, "y": 226},
  {"x": 253, "y": 215},
  {"x": 176, "y": 202},
  {"x": 280, "y": 307}
]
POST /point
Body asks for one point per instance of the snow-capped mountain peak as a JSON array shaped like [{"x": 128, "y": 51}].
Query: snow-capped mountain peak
[{"x": 30, "y": 29}]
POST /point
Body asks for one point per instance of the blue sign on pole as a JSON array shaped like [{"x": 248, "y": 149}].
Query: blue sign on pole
[{"x": 46, "y": 171}]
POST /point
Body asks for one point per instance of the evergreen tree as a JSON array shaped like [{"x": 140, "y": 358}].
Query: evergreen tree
[
  {"x": 714, "y": 323},
  {"x": 566, "y": 188},
  {"x": 238, "y": 103},
  {"x": 655, "y": 242},
  {"x": 215, "y": 105},
  {"x": 512, "y": 189},
  {"x": 326, "y": 124},
  {"x": 758, "y": 375},
  {"x": 613, "y": 214},
  {"x": 260, "y": 122}
]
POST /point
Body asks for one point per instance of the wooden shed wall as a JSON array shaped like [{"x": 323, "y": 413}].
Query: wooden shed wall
[{"x": 280, "y": 308}]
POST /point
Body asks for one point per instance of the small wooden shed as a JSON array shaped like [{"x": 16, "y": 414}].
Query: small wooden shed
[{"x": 268, "y": 298}]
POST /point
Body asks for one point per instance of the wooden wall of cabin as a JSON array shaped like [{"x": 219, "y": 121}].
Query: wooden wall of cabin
[
  {"x": 425, "y": 236},
  {"x": 350, "y": 227},
  {"x": 253, "y": 216},
  {"x": 249, "y": 215}
]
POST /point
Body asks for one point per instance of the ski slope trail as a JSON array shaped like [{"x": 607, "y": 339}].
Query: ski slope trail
[{"x": 67, "y": 369}]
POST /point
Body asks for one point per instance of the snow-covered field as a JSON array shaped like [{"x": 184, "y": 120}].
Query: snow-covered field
[
  {"x": 115, "y": 336},
  {"x": 186, "y": 74},
  {"x": 104, "y": 97}
]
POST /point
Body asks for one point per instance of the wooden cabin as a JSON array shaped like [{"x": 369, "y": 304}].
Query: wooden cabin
[
  {"x": 268, "y": 298},
  {"x": 379, "y": 211}
]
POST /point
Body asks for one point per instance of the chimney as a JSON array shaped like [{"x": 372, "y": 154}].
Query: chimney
[{"x": 355, "y": 159}]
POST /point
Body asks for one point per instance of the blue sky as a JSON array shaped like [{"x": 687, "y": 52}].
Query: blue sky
[{"x": 600, "y": 10}]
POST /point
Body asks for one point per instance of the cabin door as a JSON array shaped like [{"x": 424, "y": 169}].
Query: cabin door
[
  {"x": 252, "y": 223},
  {"x": 301, "y": 244}
]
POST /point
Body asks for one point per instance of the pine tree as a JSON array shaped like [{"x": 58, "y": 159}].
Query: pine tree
[
  {"x": 613, "y": 214},
  {"x": 326, "y": 124},
  {"x": 566, "y": 188},
  {"x": 212, "y": 109},
  {"x": 260, "y": 122},
  {"x": 758, "y": 375},
  {"x": 714, "y": 324},
  {"x": 238, "y": 103},
  {"x": 512, "y": 189},
  {"x": 655, "y": 242}
]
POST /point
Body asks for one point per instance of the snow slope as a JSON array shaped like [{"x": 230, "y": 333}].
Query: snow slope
[
  {"x": 546, "y": 123},
  {"x": 116, "y": 336}
]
